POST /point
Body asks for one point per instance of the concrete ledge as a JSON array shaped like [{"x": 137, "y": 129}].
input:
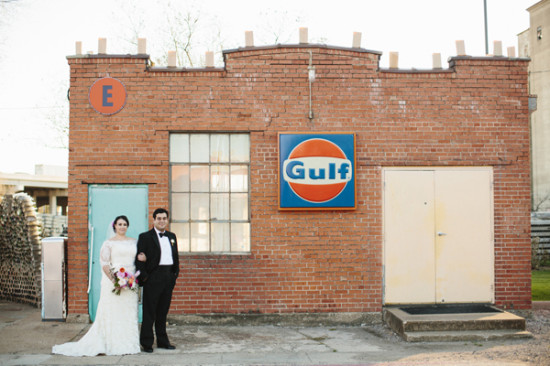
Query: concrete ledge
[
  {"x": 403, "y": 322},
  {"x": 294, "y": 319},
  {"x": 78, "y": 318},
  {"x": 453, "y": 327},
  {"x": 463, "y": 336},
  {"x": 540, "y": 305}
]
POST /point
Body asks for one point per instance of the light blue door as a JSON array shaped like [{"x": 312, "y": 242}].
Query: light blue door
[{"x": 105, "y": 202}]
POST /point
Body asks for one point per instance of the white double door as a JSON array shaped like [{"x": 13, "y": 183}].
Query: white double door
[{"x": 438, "y": 235}]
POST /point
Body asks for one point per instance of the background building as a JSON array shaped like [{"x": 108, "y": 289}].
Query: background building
[
  {"x": 534, "y": 43},
  {"x": 48, "y": 190},
  {"x": 47, "y": 187}
]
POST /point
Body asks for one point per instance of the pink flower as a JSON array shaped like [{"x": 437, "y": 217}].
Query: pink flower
[{"x": 124, "y": 279}]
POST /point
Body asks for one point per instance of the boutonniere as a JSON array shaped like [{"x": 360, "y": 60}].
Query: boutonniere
[{"x": 172, "y": 241}]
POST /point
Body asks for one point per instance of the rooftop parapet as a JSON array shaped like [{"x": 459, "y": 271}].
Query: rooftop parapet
[{"x": 303, "y": 43}]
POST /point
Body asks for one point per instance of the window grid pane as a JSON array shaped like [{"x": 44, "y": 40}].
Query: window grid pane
[
  {"x": 219, "y": 178},
  {"x": 219, "y": 207},
  {"x": 240, "y": 148},
  {"x": 239, "y": 178},
  {"x": 240, "y": 237},
  {"x": 200, "y": 206},
  {"x": 200, "y": 149},
  {"x": 180, "y": 178},
  {"x": 179, "y": 148},
  {"x": 200, "y": 237},
  {"x": 219, "y": 148},
  {"x": 210, "y": 191},
  {"x": 239, "y": 206},
  {"x": 182, "y": 234},
  {"x": 180, "y": 206},
  {"x": 200, "y": 178},
  {"x": 220, "y": 237}
]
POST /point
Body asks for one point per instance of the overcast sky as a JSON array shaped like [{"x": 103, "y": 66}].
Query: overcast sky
[{"x": 37, "y": 35}]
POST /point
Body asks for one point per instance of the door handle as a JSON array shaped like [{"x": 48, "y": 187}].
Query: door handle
[{"x": 439, "y": 233}]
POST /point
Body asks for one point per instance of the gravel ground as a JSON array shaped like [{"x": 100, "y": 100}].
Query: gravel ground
[{"x": 535, "y": 351}]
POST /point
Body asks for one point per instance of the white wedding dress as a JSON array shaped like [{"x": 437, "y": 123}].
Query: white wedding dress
[{"x": 115, "y": 329}]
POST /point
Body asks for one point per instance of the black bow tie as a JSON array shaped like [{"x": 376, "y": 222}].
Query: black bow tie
[{"x": 162, "y": 234}]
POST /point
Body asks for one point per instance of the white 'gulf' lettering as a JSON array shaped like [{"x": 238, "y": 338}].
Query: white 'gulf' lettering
[{"x": 317, "y": 170}]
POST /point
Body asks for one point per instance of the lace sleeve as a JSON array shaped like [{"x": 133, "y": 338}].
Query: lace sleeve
[{"x": 105, "y": 253}]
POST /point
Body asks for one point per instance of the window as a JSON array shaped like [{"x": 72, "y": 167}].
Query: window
[{"x": 210, "y": 192}]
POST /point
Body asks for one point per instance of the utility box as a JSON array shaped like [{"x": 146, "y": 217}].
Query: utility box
[{"x": 53, "y": 278}]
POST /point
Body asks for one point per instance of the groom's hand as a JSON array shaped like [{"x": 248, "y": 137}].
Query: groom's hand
[{"x": 142, "y": 278}]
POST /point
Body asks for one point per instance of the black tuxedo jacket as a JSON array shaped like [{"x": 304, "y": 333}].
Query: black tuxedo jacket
[{"x": 148, "y": 243}]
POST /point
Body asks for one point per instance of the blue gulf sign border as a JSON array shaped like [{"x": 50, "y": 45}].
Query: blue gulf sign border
[{"x": 317, "y": 171}]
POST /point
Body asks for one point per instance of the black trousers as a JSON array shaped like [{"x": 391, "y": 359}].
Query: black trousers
[{"x": 157, "y": 295}]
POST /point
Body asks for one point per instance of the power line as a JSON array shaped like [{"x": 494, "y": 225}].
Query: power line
[{"x": 20, "y": 108}]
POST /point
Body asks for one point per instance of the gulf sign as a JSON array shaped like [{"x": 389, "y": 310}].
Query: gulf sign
[
  {"x": 317, "y": 171},
  {"x": 107, "y": 96}
]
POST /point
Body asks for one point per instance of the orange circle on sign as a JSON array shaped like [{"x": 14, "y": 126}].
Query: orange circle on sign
[{"x": 107, "y": 96}]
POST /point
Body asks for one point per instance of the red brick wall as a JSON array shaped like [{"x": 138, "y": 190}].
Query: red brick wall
[{"x": 473, "y": 114}]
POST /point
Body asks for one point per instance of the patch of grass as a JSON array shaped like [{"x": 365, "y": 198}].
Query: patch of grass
[{"x": 540, "y": 285}]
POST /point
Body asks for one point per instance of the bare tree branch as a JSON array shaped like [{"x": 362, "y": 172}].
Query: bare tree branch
[
  {"x": 7, "y": 9},
  {"x": 541, "y": 201},
  {"x": 58, "y": 117},
  {"x": 183, "y": 25},
  {"x": 279, "y": 26}
]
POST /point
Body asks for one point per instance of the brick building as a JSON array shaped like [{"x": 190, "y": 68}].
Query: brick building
[{"x": 432, "y": 148}]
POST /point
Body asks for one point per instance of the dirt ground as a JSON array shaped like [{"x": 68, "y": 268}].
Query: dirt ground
[
  {"x": 535, "y": 351},
  {"x": 257, "y": 345}
]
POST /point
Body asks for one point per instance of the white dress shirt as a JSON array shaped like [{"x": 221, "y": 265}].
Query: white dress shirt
[{"x": 165, "y": 250}]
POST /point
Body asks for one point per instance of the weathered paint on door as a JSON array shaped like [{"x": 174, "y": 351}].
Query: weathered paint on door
[
  {"x": 408, "y": 237},
  {"x": 464, "y": 236},
  {"x": 105, "y": 202},
  {"x": 438, "y": 242}
]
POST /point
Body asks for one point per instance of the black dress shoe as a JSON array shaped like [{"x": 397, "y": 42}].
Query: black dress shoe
[
  {"x": 148, "y": 349},
  {"x": 167, "y": 346}
]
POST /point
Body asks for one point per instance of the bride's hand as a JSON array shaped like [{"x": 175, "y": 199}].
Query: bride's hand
[{"x": 142, "y": 257}]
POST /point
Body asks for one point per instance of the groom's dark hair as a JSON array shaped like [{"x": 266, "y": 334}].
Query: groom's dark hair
[{"x": 160, "y": 211}]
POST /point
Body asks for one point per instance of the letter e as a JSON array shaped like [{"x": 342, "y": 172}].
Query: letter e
[{"x": 107, "y": 93}]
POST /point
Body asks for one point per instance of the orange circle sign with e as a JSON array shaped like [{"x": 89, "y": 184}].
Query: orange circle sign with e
[{"x": 107, "y": 96}]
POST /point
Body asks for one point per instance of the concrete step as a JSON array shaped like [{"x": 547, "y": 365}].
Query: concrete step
[
  {"x": 451, "y": 326},
  {"x": 466, "y": 335}
]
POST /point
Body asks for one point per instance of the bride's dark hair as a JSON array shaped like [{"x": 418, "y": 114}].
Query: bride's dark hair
[{"x": 121, "y": 217}]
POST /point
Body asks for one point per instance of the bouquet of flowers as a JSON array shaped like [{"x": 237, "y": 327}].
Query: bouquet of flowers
[{"x": 125, "y": 280}]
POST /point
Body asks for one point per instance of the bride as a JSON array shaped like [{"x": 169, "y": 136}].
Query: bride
[{"x": 115, "y": 329}]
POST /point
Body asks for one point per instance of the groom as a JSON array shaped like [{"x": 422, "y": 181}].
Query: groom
[{"x": 158, "y": 277}]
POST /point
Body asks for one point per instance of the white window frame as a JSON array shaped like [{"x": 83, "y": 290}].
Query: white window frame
[{"x": 185, "y": 244}]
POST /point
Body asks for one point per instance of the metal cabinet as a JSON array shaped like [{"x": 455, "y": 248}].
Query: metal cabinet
[{"x": 53, "y": 278}]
